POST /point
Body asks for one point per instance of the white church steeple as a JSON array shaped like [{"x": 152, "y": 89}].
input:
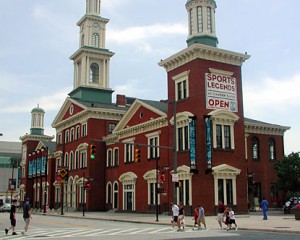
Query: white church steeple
[
  {"x": 202, "y": 27},
  {"x": 92, "y": 59}
]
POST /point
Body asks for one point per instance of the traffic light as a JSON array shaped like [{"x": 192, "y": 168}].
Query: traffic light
[
  {"x": 92, "y": 151},
  {"x": 137, "y": 155}
]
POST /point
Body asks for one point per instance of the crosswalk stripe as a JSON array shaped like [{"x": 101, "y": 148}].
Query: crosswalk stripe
[{"x": 122, "y": 231}]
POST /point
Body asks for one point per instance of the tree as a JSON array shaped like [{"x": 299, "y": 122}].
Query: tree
[{"x": 288, "y": 172}]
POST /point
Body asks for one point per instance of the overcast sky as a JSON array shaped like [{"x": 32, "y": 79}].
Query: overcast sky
[{"x": 37, "y": 38}]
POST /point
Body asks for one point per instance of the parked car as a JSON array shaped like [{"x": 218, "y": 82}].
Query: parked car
[
  {"x": 291, "y": 203},
  {"x": 5, "y": 207}
]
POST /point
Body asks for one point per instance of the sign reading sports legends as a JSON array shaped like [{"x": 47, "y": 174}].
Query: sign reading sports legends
[{"x": 220, "y": 92}]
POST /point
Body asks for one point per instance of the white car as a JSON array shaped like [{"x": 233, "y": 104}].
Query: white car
[{"x": 5, "y": 207}]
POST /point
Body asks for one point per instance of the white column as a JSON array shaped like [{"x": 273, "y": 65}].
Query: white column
[
  {"x": 216, "y": 190},
  {"x": 225, "y": 192},
  {"x": 234, "y": 190}
]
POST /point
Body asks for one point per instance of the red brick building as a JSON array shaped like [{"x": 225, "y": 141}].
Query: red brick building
[{"x": 196, "y": 147}]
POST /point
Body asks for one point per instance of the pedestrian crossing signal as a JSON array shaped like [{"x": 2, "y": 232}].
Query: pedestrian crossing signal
[
  {"x": 137, "y": 155},
  {"x": 92, "y": 151}
]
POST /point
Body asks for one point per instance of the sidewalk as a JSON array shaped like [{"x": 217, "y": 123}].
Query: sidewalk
[{"x": 277, "y": 221}]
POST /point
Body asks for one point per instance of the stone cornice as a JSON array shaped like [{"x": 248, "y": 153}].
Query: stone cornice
[
  {"x": 29, "y": 137},
  {"x": 202, "y": 51},
  {"x": 127, "y": 132},
  {"x": 96, "y": 113},
  {"x": 105, "y": 53},
  {"x": 265, "y": 129}
]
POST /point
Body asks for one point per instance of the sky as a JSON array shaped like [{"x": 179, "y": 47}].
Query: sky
[{"x": 37, "y": 38}]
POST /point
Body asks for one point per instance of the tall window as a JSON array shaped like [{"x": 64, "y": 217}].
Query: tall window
[
  {"x": 128, "y": 153},
  {"x": 183, "y": 138},
  {"x": 109, "y": 158},
  {"x": 152, "y": 193},
  {"x": 94, "y": 73},
  {"x": 191, "y": 22},
  {"x": 209, "y": 25},
  {"x": 153, "y": 151},
  {"x": 227, "y": 138},
  {"x": 67, "y": 133},
  {"x": 116, "y": 157},
  {"x": 200, "y": 20},
  {"x": 84, "y": 130},
  {"x": 76, "y": 160},
  {"x": 72, "y": 134},
  {"x": 181, "y": 85},
  {"x": 272, "y": 151},
  {"x": 71, "y": 167},
  {"x": 255, "y": 148},
  {"x": 95, "y": 40},
  {"x": 223, "y": 136},
  {"x": 181, "y": 90},
  {"x": 219, "y": 135},
  {"x": 83, "y": 160},
  {"x": 77, "y": 132}
]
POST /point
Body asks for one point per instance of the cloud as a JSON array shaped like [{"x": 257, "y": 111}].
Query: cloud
[
  {"x": 138, "y": 34},
  {"x": 276, "y": 95},
  {"x": 50, "y": 102}
]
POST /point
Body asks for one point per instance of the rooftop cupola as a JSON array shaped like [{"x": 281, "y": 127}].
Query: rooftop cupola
[
  {"x": 202, "y": 27},
  {"x": 37, "y": 121}
]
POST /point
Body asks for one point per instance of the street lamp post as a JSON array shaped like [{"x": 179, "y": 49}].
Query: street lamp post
[
  {"x": 175, "y": 147},
  {"x": 156, "y": 189}
]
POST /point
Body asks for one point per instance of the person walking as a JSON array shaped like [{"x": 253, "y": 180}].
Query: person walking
[
  {"x": 175, "y": 213},
  {"x": 181, "y": 217},
  {"x": 231, "y": 219},
  {"x": 201, "y": 218},
  {"x": 264, "y": 206},
  {"x": 26, "y": 215},
  {"x": 220, "y": 216},
  {"x": 195, "y": 218},
  {"x": 12, "y": 217}
]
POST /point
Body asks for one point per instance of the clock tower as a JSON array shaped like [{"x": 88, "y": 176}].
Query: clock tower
[{"x": 91, "y": 60}]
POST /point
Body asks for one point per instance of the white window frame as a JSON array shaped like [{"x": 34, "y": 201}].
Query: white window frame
[
  {"x": 150, "y": 136},
  {"x": 109, "y": 157},
  {"x": 180, "y": 78},
  {"x": 223, "y": 117},
  {"x": 131, "y": 148},
  {"x": 84, "y": 130},
  {"x": 114, "y": 163},
  {"x": 67, "y": 136}
]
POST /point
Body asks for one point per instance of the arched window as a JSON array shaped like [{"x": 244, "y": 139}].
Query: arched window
[
  {"x": 71, "y": 167},
  {"x": 272, "y": 148},
  {"x": 255, "y": 148},
  {"x": 95, "y": 40},
  {"x": 94, "y": 73}
]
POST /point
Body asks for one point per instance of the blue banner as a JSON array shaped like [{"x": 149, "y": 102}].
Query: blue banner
[
  {"x": 43, "y": 166},
  {"x": 30, "y": 167},
  {"x": 192, "y": 144},
  {"x": 208, "y": 142}
]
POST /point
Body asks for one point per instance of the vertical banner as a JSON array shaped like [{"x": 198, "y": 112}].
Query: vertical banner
[
  {"x": 29, "y": 166},
  {"x": 43, "y": 166},
  {"x": 208, "y": 141},
  {"x": 19, "y": 176},
  {"x": 34, "y": 165},
  {"x": 38, "y": 163},
  {"x": 192, "y": 145}
]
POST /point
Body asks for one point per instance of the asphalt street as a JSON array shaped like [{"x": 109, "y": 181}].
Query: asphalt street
[{"x": 54, "y": 227}]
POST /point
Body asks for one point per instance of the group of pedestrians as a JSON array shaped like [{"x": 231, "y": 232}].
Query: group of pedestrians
[
  {"x": 13, "y": 219},
  {"x": 225, "y": 216}
]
